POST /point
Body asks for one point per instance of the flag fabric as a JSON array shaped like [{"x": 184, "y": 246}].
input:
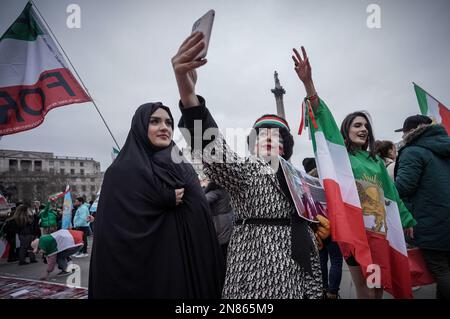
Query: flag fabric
[
  {"x": 114, "y": 154},
  {"x": 420, "y": 275},
  {"x": 55, "y": 196},
  {"x": 335, "y": 172},
  {"x": 4, "y": 211},
  {"x": 363, "y": 205},
  {"x": 4, "y": 248},
  {"x": 60, "y": 240},
  {"x": 94, "y": 205},
  {"x": 432, "y": 108},
  {"x": 4, "y": 206},
  {"x": 66, "y": 221},
  {"x": 34, "y": 76}
]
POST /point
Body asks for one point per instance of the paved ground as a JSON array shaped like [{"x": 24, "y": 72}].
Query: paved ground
[
  {"x": 80, "y": 278},
  {"x": 36, "y": 271},
  {"x": 347, "y": 290}
]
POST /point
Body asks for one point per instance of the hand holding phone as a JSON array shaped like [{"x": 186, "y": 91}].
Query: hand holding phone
[{"x": 204, "y": 25}]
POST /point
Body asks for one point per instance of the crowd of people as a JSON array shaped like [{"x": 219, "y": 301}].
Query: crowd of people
[
  {"x": 161, "y": 233},
  {"x": 29, "y": 230},
  {"x": 159, "y": 236}
]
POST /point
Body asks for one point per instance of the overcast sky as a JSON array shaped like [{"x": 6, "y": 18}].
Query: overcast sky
[{"x": 123, "y": 49}]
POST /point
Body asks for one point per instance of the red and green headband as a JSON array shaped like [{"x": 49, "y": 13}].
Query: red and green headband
[{"x": 271, "y": 120}]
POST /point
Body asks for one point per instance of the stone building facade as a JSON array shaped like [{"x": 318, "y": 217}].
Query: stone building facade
[{"x": 34, "y": 175}]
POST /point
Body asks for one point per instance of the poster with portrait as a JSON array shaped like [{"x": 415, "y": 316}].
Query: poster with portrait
[{"x": 306, "y": 191}]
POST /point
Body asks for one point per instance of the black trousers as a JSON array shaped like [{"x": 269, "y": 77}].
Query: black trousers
[
  {"x": 25, "y": 248},
  {"x": 438, "y": 263},
  {"x": 85, "y": 231}
]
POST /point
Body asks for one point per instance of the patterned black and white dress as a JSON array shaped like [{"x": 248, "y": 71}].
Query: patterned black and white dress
[{"x": 259, "y": 263}]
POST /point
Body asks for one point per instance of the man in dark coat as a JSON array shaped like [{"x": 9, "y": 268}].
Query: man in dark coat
[
  {"x": 422, "y": 177},
  {"x": 222, "y": 214}
]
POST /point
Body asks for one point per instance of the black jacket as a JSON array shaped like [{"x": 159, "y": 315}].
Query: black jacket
[
  {"x": 222, "y": 213},
  {"x": 422, "y": 177}
]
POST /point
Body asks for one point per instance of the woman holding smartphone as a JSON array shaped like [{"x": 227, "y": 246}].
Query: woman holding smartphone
[{"x": 272, "y": 251}]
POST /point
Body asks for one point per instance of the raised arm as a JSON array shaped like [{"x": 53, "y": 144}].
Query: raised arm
[
  {"x": 184, "y": 66},
  {"x": 303, "y": 69},
  {"x": 226, "y": 172}
]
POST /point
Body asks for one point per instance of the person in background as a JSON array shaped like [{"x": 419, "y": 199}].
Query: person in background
[
  {"x": 422, "y": 177},
  {"x": 388, "y": 153},
  {"x": 222, "y": 214},
  {"x": 91, "y": 217},
  {"x": 58, "y": 247},
  {"x": 36, "y": 207},
  {"x": 81, "y": 222},
  {"x": 25, "y": 227},
  {"x": 331, "y": 278},
  {"x": 9, "y": 231},
  {"x": 48, "y": 219}
]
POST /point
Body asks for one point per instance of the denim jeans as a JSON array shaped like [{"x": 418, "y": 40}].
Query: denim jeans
[
  {"x": 438, "y": 263},
  {"x": 331, "y": 280}
]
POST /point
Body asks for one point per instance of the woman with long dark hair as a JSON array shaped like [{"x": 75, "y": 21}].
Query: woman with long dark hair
[
  {"x": 388, "y": 153},
  {"x": 26, "y": 230},
  {"x": 384, "y": 213},
  {"x": 153, "y": 235}
]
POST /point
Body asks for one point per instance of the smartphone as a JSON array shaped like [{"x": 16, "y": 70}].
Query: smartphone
[{"x": 204, "y": 25}]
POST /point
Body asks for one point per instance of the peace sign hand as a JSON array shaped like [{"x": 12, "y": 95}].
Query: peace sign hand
[{"x": 302, "y": 66}]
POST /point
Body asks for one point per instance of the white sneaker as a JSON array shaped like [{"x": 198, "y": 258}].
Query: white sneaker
[
  {"x": 78, "y": 255},
  {"x": 69, "y": 267}
]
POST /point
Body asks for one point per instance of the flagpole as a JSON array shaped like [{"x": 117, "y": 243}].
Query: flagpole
[
  {"x": 427, "y": 93},
  {"x": 75, "y": 70}
]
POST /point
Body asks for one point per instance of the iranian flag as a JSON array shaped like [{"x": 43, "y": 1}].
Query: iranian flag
[
  {"x": 432, "y": 108},
  {"x": 114, "y": 153},
  {"x": 55, "y": 196},
  {"x": 355, "y": 222},
  {"x": 335, "y": 172},
  {"x": 34, "y": 76},
  {"x": 60, "y": 240}
]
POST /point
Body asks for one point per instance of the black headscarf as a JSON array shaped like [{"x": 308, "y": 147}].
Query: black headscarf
[{"x": 145, "y": 246}]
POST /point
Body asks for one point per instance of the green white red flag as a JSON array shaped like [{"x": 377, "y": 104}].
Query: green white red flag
[
  {"x": 432, "y": 108},
  {"x": 335, "y": 172},
  {"x": 34, "y": 76},
  {"x": 369, "y": 229}
]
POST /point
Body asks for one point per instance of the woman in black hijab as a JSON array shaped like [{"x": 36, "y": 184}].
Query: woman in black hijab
[{"x": 153, "y": 234}]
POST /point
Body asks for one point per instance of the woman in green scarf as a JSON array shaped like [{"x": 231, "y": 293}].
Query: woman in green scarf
[{"x": 384, "y": 214}]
